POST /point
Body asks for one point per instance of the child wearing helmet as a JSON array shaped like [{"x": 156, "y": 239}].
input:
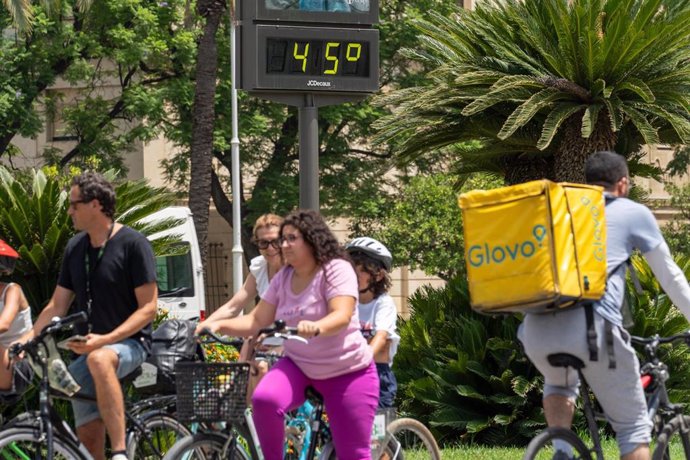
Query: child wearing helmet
[
  {"x": 15, "y": 322},
  {"x": 377, "y": 311}
]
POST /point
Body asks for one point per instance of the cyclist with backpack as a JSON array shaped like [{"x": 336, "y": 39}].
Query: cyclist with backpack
[
  {"x": 377, "y": 310},
  {"x": 615, "y": 381},
  {"x": 15, "y": 322}
]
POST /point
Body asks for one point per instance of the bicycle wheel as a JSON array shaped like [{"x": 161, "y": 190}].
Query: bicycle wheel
[
  {"x": 416, "y": 441},
  {"x": 161, "y": 431},
  {"x": 22, "y": 443},
  {"x": 541, "y": 447},
  {"x": 204, "y": 446},
  {"x": 672, "y": 443}
]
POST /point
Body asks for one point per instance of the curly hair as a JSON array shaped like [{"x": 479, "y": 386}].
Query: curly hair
[
  {"x": 266, "y": 221},
  {"x": 374, "y": 268},
  {"x": 316, "y": 234},
  {"x": 93, "y": 186}
]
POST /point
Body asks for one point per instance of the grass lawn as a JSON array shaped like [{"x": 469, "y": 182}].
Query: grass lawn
[{"x": 506, "y": 453}]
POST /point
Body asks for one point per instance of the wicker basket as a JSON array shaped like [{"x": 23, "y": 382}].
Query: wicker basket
[{"x": 211, "y": 392}]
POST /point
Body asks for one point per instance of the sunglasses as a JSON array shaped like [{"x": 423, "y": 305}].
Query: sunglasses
[
  {"x": 264, "y": 244},
  {"x": 73, "y": 203}
]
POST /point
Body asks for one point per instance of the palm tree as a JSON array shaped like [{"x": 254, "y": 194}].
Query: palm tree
[
  {"x": 22, "y": 13},
  {"x": 203, "y": 119},
  {"x": 541, "y": 84}
]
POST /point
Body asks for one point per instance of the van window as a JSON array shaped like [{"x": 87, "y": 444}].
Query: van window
[{"x": 175, "y": 275}]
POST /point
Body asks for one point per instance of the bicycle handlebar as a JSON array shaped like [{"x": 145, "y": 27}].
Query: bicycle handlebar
[
  {"x": 657, "y": 340},
  {"x": 55, "y": 326}
]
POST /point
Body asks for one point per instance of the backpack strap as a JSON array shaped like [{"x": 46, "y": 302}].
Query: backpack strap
[{"x": 591, "y": 332}]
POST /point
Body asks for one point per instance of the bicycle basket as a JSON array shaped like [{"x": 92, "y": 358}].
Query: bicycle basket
[{"x": 211, "y": 392}]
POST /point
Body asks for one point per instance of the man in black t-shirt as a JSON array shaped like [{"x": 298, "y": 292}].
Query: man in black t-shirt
[{"x": 109, "y": 272}]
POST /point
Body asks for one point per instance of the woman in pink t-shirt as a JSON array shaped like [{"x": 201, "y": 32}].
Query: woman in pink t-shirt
[{"x": 316, "y": 292}]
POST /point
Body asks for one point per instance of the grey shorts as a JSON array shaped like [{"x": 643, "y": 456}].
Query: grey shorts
[
  {"x": 618, "y": 390},
  {"x": 130, "y": 355}
]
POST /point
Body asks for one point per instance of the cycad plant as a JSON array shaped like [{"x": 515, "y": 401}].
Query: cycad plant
[
  {"x": 34, "y": 220},
  {"x": 541, "y": 84},
  {"x": 463, "y": 373}
]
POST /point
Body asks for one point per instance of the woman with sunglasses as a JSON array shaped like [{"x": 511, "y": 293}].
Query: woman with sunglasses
[
  {"x": 261, "y": 270},
  {"x": 316, "y": 292}
]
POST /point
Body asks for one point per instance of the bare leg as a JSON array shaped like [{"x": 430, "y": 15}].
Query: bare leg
[
  {"x": 558, "y": 411},
  {"x": 641, "y": 453},
  {"x": 5, "y": 370},
  {"x": 102, "y": 364},
  {"x": 92, "y": 435}
]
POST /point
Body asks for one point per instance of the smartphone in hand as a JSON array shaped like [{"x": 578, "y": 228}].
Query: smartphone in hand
[{"x": 75, "y": 338}]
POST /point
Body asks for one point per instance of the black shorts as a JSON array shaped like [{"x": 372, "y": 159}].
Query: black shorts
[{"x": 22, "y": 375}]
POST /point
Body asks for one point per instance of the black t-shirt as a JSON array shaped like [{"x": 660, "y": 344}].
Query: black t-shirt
[{"x": 127, "y": 262}]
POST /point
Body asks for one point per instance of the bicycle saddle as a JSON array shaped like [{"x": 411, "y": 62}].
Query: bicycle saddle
[{"x": 565, "y": 360}]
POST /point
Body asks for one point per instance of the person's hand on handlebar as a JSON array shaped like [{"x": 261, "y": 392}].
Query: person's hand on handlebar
[{"x": 308, "y": 329}]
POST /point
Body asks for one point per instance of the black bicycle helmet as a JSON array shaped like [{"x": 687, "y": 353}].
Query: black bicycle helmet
[
  {"x": 373, "y": 249},
  {"x": 8, "y": 257}
]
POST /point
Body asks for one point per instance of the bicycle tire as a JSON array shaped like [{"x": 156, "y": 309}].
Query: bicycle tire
[
  {"x": 161, "y": 432},
  {"x": 22, "y": 443},
  {"x": 328, "y": 453},
  {"x": 415, "y": 439},
  {"x": 204, "y": 446},
  {"x": 672, "y": 443},
  {"x": 540, "y": 447}
]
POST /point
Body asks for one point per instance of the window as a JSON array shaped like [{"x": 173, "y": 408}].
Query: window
[{"x": 175, "y": 275}]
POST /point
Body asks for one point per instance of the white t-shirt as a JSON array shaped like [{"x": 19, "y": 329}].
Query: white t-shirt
[
  {"x": 259, "y": 268},
  {"x": 381, "y": 314},
  {"x": 19, "y": 327}
]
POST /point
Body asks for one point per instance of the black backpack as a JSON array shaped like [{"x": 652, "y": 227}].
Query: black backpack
[{"x": 173, "y": 341}]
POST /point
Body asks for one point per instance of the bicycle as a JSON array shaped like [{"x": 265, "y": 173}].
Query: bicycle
[
  {"x": 43, "y": 434},
  {"x": 669, "y": 422},
  {"x": 402, "y": 437},
  {"x": 238, "y": 439}
]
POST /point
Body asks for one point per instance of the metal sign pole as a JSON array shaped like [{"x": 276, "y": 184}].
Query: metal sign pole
[
  {"x": 308, "y": 154},
  {"x": 237, "y": 251}
]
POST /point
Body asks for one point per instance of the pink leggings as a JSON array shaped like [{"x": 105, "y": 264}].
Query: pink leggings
[{"x": 349, "y": 399}]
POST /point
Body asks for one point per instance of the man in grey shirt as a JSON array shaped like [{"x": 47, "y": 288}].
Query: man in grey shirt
[{"x": 629, "y": 226}]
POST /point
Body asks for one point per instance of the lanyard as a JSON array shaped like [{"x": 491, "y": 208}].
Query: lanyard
[{"x": 89, "y": 272}]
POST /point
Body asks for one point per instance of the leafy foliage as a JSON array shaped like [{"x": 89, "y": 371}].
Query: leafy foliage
[
  {"x": 677, "y": 230},
  {"x": 654, "y": 313},
  {"x": 421, "y": 224},
  {"x": 34, "y": 221},
  {"x": 463, "y": 373}
]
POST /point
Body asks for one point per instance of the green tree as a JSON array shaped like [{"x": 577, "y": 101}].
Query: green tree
[
  {"x": 351, "y": 170},
  {"x": 421, "y": 223},
  {"x": 541, "y": 84},
  {"x": 34, "y": 221},
  {"x": 677, "y": 230}
]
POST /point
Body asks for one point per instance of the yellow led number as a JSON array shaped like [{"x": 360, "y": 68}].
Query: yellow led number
[
  {"x": 352, "y": 54},
  {"x": 302, "y": 57}
]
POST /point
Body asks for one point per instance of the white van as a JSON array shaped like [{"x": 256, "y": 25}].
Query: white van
[{"x": 180, "y": 278}]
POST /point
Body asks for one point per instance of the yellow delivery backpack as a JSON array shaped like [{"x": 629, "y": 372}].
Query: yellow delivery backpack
[{"x": 534, "y": 247}]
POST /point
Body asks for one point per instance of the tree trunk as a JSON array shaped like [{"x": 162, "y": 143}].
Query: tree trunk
[
  {"x": 203, "y": 115},
  {"x": 524, "y": 168},
  {"x": 573, "y": 150}
]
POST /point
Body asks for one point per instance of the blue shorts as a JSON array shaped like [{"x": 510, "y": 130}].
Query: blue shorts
[{"x": 130, "y": 355}]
